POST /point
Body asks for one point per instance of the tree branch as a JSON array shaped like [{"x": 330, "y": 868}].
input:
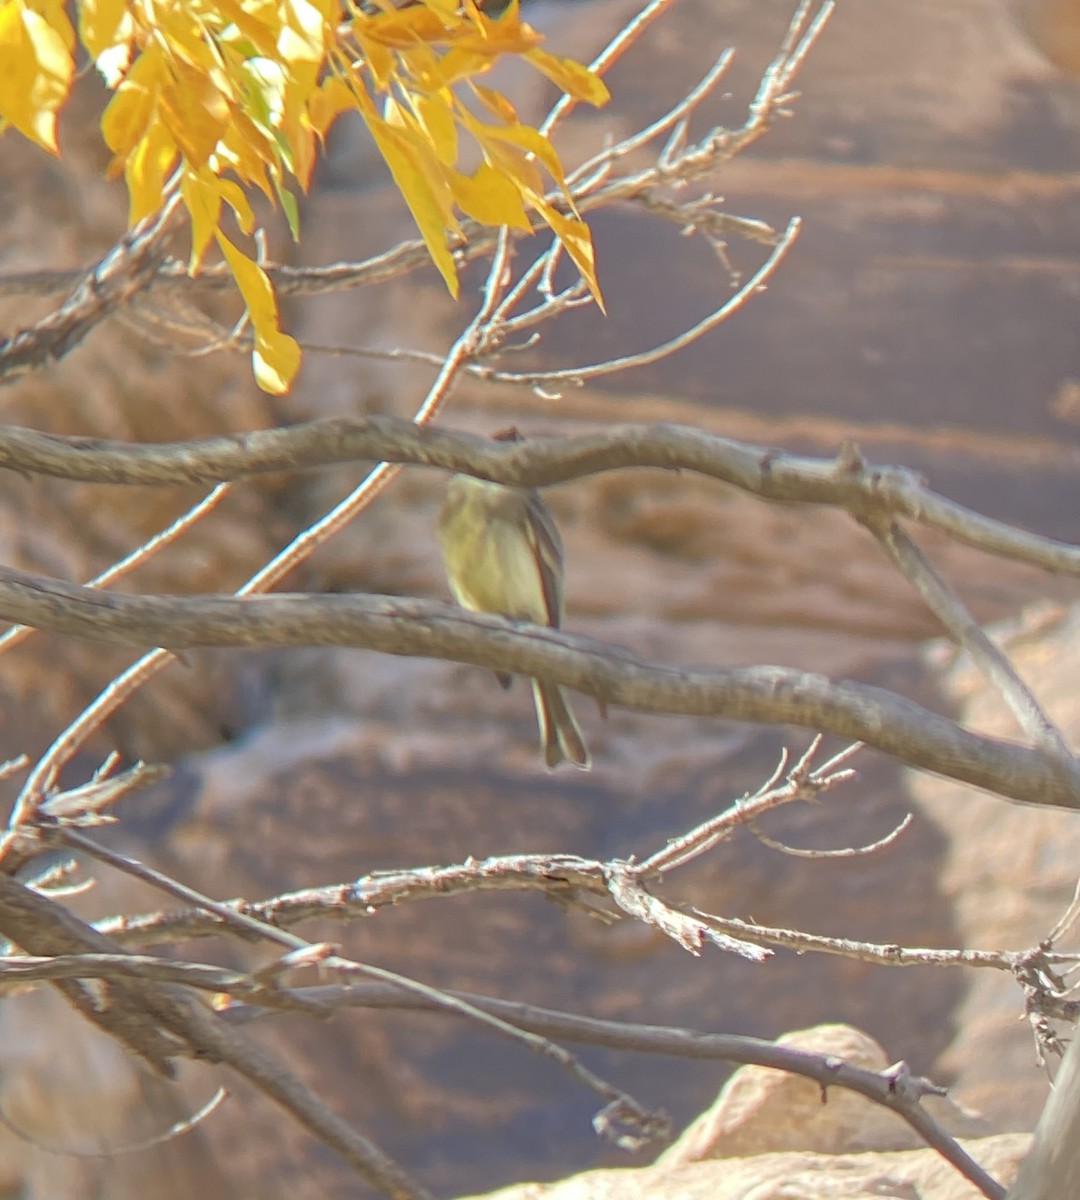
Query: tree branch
[
  {"x": 160, "y": 1021},
  {"x": 423, "y": 628},
  {"x": 768, "y": 472},
  {"x": 969, "y": 635},
  {"x": 894, "y": 1088},
  {"x": 127, "y": 269}
]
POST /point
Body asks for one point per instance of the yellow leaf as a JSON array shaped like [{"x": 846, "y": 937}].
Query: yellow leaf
[
  {"x": 572, "y": 77},
  {"x": 36, "y": 70},
  {"x": 377, "y": 59},
  {"x": 392, "y": 113},
  {"x": 447, "y": 10},
  {"x": 56, "y": 17},
  {"x": 329, "y": 9},
  {"x": 146, "y": 169},
  {"x": 436, "y": 116},
  {"x": 245, "y": 148},
  {"x": 102, "y": 24},
  {"x": 234, "y": 197},
  {"x": 298, "y": 136},
  {"x": 203, "y": 202},
  {"x": 507, "y": 159},
  {"x": 194, "y": 111},
  {"x": 496, "y": 103},
  {"x": 276, "y": 355},
  {"x": 504, "y": 34},
  {"x": 247, "y": 25},
  {"x": 17, "y": 70},
  {"x": 183, "y": 30},
  {"x": 331, "y": 98},
  {"x": 129, "y": 112},
  {"x": 490, "y": 197},
  {"x": 424, "y": 188},
  {"x": 303, "y": 35},
  {"x": 462, "y": 63},
  {"x": 528, "y": 139},
  {"x": 400, "y": 27},
  {"x": 264, "y": 83},
  {"x": 575, "y": 237}
]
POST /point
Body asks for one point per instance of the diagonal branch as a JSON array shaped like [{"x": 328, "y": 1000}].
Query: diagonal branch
[
  {"x": 161, "y": 1021},
  {"x": 126, "y": 270},
  {"x": 895, "y": 1087},
  {"x": 969, "y": 635},
  {"x": 638, "y": 1125}
]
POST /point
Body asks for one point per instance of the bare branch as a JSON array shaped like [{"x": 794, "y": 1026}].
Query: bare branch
[
  {"x": 886, "y": 955},
  {"x": 1051, "y": 1170},
  {"x": 801, "y": 782},
  {"x": 127, "y": 269},
  {"x": 895, "y": 1087},
  {"x": 765, "y": 694},
  {"x": 969, "y": 635},
  {"x": 767, "y": 472},
  {"x": 560, "y": 876},
  {"x": 638, "y": 1125},
  {"x": 626, "y": 889},
  {"x": 153, "y": 545},
  {"x": 161, "y": 1021}
]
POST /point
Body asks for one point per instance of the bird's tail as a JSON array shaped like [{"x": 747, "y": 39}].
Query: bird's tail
[{"x": 560, "y": 736}]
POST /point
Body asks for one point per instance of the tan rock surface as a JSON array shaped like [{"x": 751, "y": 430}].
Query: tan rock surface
[
  {"x": 761, "y": 1111},
  {"x": 906, "y": 1175}
]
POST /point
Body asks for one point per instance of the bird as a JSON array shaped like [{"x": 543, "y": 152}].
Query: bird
[{"x": 503, "y": 554}]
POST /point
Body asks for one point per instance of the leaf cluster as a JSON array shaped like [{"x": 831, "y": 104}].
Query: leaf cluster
[{"x": 222, "y": 98}]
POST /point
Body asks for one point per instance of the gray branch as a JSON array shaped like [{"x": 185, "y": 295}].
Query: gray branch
[
  {"x": 860, "y": 487},
  {"x": 424, "y": 628}
]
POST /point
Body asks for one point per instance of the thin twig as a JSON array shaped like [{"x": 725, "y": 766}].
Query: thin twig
[
  {"x": 580, "y": 175},
  {"x": 800, "y": 783},
  {"x": 612, "y": 52},
  {"x": 649, "y": 1125},
  {"x": 881, "y": 843},
  {"x": 185, "y": 1125},
  {"x": 153, "y": 545},
  {"x": 642, "y": 358}
]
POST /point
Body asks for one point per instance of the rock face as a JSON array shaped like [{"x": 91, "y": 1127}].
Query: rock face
[
  {"x": 928, "y": 312},
  {"x": 762, "y": 1111}
]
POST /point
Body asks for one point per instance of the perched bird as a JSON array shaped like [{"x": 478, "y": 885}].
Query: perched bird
[{"x": 503, "y": 555}]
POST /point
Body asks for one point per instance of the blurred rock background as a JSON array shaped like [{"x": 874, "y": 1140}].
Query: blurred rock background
[{"x": 928, "y": 310}]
